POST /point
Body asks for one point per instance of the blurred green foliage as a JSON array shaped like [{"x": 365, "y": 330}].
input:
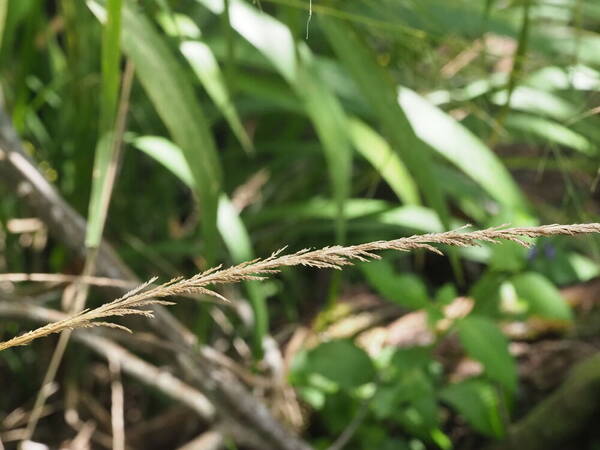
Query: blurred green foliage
[{"x": 374, "y": 120}]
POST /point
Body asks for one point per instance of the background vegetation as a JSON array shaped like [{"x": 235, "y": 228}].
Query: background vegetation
[{"x": 195, "y": 133}]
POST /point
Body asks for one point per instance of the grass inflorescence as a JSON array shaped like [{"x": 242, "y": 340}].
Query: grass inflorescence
[{"x": 137, "y": 300}]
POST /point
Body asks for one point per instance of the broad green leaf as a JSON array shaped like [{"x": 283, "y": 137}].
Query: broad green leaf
[
  {"x": 412, "y": 387},
  {"x": 106, "y": 151},
  {"x": 407, "y": 393},
  {"x": 341, "y": 362},
  {"x": 446, "y": 294},
  {"x": 461, "y": 147},
  {"x": 202, "y": 60},
  {"x": 375, "y": 149},
  {"x": 483, "y": 341},
  {"x": 404, "y": 289},
  {"x": 549, "y": 259},
  {"x": 410, "y": 358},
  {"x": 111, "y": 59},
  {"x": 363, "y": 211},
  {"x": 172, "y": 95},
  {"x": 586, "y": 43},
  {"x": 541, "y": 296},
  {"x": 313, "y": 396},
  {"x": 268, "y": 94},
  {"x": 470, "y": 91},
  {"x": 178, "y": 25},
  {"x": 508, "y": 257},
  {"x": 479, "y": 404},
  {"x": 467, "y": 194}
]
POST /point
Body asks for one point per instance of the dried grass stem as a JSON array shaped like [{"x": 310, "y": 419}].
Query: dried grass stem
[{"x": 334, "y": 257}]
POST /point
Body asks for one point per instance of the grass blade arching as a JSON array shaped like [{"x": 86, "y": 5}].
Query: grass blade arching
[{"x": 172, "y": 94}]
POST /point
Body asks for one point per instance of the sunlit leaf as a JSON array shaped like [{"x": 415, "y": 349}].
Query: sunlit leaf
[
  {"x": 239, "y": 245},
  {"x": 551, "y": 131},
  {"x": 379, "y": 91},
  {"x": 274, "y": 40},
  {"x": 461, "y": 147},
  {"x": 207, "y": 69},
  {"x": 378, "y": 152},
  {"x": 168, "y": 154},
  {"x": 541, "y": 296},
  {"x": 535, "y": 101}
]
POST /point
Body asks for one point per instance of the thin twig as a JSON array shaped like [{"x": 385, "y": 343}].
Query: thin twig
[
  {"x": 65, "y": 278},
  {"x": 82, "y": 290},
  {"x": 349, "y": 431},
  {"x": 117, "y": 405},
  {"x": 156, "y": 377}
]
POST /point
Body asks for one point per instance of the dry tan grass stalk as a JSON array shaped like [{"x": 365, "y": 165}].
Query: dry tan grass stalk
[
  {"x": 65, "y": 278},
  {"x": 334, "y": 257}
]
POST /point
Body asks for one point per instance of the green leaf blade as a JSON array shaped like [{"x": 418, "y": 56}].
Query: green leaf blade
[
  {"x": 205, "y": 66},
  {"x": 541, "y": 296},
  {"x": 105, "y": 149},
  {"x": 479, "y": 403},
  {"x": 484, "y": 342},
  {"x": 172, "y": 95}
]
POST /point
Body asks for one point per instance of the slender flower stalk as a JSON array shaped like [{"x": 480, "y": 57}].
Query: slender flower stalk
[{"x": 334, "y": 257}]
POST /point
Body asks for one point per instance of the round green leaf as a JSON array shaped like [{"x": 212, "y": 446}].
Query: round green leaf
[{"x": 341, "y": 362}]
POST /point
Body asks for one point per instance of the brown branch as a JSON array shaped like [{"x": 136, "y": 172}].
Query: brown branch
[
  {"x": 151, "y": 375},
  {"x": 65, "y": 278}
]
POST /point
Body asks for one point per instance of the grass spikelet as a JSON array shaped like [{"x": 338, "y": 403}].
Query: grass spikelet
[{"x": 334, "y": 257}]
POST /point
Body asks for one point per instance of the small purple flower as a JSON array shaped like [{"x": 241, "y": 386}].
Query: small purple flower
[
  {"x": 532, "y": 253},
  {"x": 550, "y": 251}
]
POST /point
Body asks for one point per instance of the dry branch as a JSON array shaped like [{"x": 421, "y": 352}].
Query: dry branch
[
  {"x": 65, "y": 278},
  {"x": 149, "y": 374}
]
